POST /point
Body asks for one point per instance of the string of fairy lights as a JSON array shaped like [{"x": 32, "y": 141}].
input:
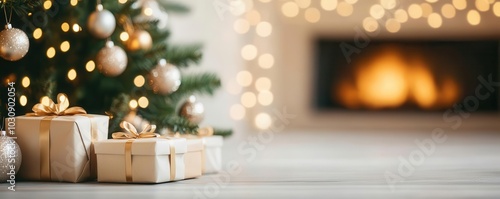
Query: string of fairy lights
[
  {"x": 90, "y": 66},
  {"x": 389, "y": 15}
]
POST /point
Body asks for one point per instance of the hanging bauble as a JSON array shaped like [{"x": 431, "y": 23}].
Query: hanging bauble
[
  {"x": 111, "y": 60},
  {"x": 192, "y": 110},
  {"x": 165, "y": 78},
  {"x": 14, "y": 43},
  {"x": 139, "y": 40},
  {"x": 101, "y": 23},
  {"x": 151, "y": 10},
  {"x": 10, "y": 157}
]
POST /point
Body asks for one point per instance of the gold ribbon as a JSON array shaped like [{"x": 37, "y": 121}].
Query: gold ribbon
[
  {"x": 132, "y": 134},
  {"x": 51, "y": 111}
]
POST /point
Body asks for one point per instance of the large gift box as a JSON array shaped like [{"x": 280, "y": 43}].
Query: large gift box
[
  {"x": 57, "y": 145},
  {"x": 212, "y": 156},
  {"x": 146, "y": 158}
]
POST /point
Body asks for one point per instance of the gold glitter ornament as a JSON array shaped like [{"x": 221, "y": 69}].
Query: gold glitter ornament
[
  {"x": 111, "y": 60},
  {"x": 101, "y": 23},
  {"x": 14, "y": 43},
  {"x": 10, "y": 158},
  {"x": 192, "y": 110},
  {"x": 139, "y": 40},
  {"x": 165, "y": 78}
]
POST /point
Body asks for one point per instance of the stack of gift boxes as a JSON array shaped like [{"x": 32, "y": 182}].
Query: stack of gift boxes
[{"x": 66, "y": 144}]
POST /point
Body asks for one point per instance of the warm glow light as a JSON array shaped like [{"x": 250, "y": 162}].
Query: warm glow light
[
  {"x": 74, "y": 2},
  {"x": 124, "y": 36},
  {"x": 249, "y": 52},
  {"x": 423, "y": 87},
  {"x": 143, "y": 102},
  {"x": 263, "y": 121},
  {"x": 432, "y": 1},
  {"x": 290, "y": 9},
  {"x": 133, "y": 104},
  {"x": 377, "y": 11},
  {"x": 426, "y": 9},
  {"x": 253, "y": 17},
  {"x": 47, "y": 4},
  {"x": 450, "y": 92},
  {"x": 415, "y": 11},
  {"x": 265, "y": 1},
  {"x": 351, "y": 1},
  {"x": 51, "y": 52},
  {"x": 122, "y": 1},
  {"x": 496, "y": 9},
  {"x": 263, "y": 84},
  {"x": 90, "y": 66},
  {"x": 241, "y": 26},
  {"x": 473, "y": 17},
  {"x": 72, "y": 74},
  {"x": 264, "y": 29},
  {"x": 37, "y": 34},
  {"x": 26, "y": 82},
  {"x": 65, "y": 46},
  {"x": 76, "y": 28},
  {"x": 434, "y": 20},
  {"x": 265, "y": 98},
  {"x": 266, "y": 61},
  {"x": 45, "y": 101},
  {"x": 448, "y": 11},
  {"x": 303, "y": 3},
  {"x": 460, "y": 4},
  {"x": 347, "y": 94},
  {"x": 65, "y": 27},
  {"x": 329, "y": 5},
  {"x": 370, "y": 24},
  {"x": 139, "y": 81},
  {"x": 148, "y": 11},
  {"x": 392, "y": 25},
  {"x": 23, "y": 100},
  {"x": 388, "y": 4},
  {"x": 344, "y": 9},
  {"x": 237, "y": 112},
  {"x": 482, "y": 5},
  {"x": 401, "y": 15},
  {"x": 382, "y": 82},
  {"x": 312, "y": 15},
  {"x": 244, "y": 78},
  {"x": 248, "y": 99}
]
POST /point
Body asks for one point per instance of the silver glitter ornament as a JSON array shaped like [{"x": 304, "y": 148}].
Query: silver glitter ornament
[
  {"x": 165, "y": 78},
  {"x": 101, "y": 23},
  {"x": 10, "y": 157},
  {"x": 14, "y": 43},
  {"x": 192, "y": 110},
  {"x": 111, "y": 60}
]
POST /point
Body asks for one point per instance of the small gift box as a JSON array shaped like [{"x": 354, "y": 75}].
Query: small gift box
[
  {"x": 145, "y": 157},
  {"x": 56, "y": 142}
]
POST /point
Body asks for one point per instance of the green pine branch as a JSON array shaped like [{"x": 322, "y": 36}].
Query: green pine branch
[
  {"x": 20, "y": 7},
  {"x": 223, "y": 132},
  {"x": 172, "y": 7},
  {"x": 204, "y": 83},
  {"x": 184, "y": 56}
]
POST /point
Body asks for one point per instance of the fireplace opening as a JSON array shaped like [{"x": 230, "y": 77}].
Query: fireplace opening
[{"x": 403, "y": 75}]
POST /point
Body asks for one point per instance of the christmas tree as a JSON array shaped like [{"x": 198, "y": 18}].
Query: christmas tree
[{"x": 109, "y": 57}]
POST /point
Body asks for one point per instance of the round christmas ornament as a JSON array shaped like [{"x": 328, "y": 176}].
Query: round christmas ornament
[
  {"x": 192, "y": 110},
  {"x": 139, "y": 40},
  {"x": 14, "y": 43},
  {"x": 111, "y": 60},
  {"x": 10, "y": 157},
  {"x": 101, "y": 23},
  {"x": 164, "y": 78}
]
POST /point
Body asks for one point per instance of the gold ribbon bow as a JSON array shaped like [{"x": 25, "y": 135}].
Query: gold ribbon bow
[
  {"x": 131, "y": 132},
  {"x": 53, "y": 109}
]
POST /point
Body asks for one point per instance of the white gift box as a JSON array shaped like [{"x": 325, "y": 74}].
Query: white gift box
[
  {"x": 149, "y": 160},
  {"x": 213, "y": 154}
]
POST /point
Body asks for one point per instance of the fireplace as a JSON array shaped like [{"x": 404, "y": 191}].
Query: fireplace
[{"x": 402, "y": 75}]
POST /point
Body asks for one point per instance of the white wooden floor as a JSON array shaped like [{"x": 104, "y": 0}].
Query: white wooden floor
[{"x": 321, "y": 165}]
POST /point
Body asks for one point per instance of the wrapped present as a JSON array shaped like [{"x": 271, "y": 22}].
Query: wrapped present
[
  {"x": 145, "y": 157},
  {"x": 56, "y": 142},
  {"x": 211, "y": 158}
]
